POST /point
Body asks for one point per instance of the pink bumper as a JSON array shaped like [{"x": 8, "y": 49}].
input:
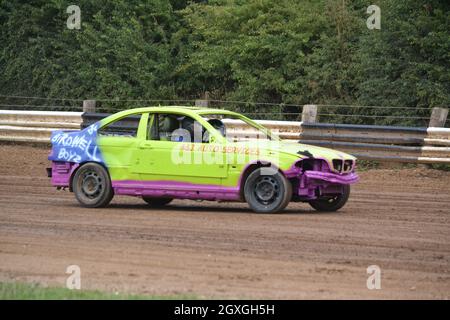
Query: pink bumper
[{"x": 349, "y": 178}]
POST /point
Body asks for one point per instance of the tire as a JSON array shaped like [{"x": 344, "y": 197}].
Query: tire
[
  {"x": 156, "y": 202},
  {"x": 92, "y": 186},
  {"x": 267, "y": 193},
  {"x": 333, "y": 203}
]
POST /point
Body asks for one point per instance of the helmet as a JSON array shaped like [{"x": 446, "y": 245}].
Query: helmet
[{"x": 219, "y": 126}]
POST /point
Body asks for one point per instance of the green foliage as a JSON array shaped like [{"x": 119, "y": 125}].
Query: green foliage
[
  {"x": 279, "y": 52},
  {"x": 249, "y": 51},
  {"x": 406, "y": 63},
  {"x": 122, "y": 49},
  {"x": 25, "y": 291},
  {"x": 440, "y": 166}
]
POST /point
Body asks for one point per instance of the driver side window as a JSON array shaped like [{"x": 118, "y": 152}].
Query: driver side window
[{"x": 175, "y": 128}]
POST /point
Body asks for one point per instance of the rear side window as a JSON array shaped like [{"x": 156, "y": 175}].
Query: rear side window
[{"x": 124, "y": 127}]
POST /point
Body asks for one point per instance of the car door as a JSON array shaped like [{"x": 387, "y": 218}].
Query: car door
[
  {"x": 118, "y": 141},
  {"x": 174, "y": 150}
]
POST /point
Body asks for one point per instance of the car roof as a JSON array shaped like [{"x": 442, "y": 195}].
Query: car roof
[{"x": 198, "y": 110}]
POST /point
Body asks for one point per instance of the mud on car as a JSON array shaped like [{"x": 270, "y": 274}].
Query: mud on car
[{"x": 166, "y": 153}]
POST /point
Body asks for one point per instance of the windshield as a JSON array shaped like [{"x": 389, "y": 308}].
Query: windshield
[{"x": 237, "y": 129}]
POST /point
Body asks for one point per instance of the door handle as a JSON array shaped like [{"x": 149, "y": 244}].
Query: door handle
[{"x": 145, "y": 145}]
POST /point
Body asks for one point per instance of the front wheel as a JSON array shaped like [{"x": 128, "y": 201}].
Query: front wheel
[
  {"x": 332, "y": 203},
  {"x": 267, "y": 192},
  {"x": 92, "y": 186}
]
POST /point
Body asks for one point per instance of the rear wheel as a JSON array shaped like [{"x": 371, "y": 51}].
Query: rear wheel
[
  {"x": 92, "y": 186},
  {"x": 157, "y": 202},
  {"x": 332, "y": 203},
  {"x": 267, "y": 193}
]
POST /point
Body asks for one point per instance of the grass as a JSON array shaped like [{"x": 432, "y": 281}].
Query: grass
[
  {"x": 365, "y": 165},
  {"x": 440, "y": 166},
  {"x": 27, "y": 291}
]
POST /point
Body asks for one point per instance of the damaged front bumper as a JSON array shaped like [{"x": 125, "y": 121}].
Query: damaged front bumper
[
  {"x": 348, "y": 178},
  {"x": 316, "y": 184}
]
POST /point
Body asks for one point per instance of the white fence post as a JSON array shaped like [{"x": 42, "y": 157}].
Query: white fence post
[
  {"x": 309, "y": 113},
  {"x": 203, "y": 103},
  {"x": 438, "y": 117},
  {"x": 89, "y": 105}
]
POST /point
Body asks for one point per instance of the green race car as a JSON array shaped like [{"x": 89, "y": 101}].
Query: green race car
[{"x": 163, "y": 153}]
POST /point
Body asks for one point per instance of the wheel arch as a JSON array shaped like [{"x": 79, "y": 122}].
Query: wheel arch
[
  {"x": 81, "y": 164},
  {"x": 249, "y": 169}
]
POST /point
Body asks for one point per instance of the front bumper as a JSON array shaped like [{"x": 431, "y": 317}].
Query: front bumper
[
  {"x": 314, "y": 184},
  {"x": 329, "y": 177}
]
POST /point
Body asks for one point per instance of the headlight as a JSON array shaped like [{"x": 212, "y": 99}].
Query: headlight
[
  {"x": 342, "y": 166},
  {"x": 337, "y": 165},
  {"x": 348, "y": 165}
]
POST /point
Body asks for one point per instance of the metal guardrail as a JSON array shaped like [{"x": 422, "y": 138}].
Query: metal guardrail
[
  {"x": 381, "y": 143},
  {"x": 363, "y": 133},
  {"x": 35, "y": 126}
]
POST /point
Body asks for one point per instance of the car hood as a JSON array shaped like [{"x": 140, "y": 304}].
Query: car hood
[{"x": 300, "y": 150}]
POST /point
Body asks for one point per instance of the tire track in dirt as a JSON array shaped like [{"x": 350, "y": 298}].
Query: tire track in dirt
[{"x": 397, "y": 219}]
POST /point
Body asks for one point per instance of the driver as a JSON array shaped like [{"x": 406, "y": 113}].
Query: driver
[{"x": 219, "y": 126}]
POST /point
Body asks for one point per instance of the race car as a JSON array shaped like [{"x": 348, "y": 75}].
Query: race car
[{"x": 176, "y": 152}]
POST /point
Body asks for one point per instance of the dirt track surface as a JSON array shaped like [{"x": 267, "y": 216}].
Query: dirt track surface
[{"x": 396, "y": 219}]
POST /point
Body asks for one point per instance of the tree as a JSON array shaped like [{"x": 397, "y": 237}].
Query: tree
[
  {"x": 406, "y": 63},
  {"x": 121, "y": 51}
]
